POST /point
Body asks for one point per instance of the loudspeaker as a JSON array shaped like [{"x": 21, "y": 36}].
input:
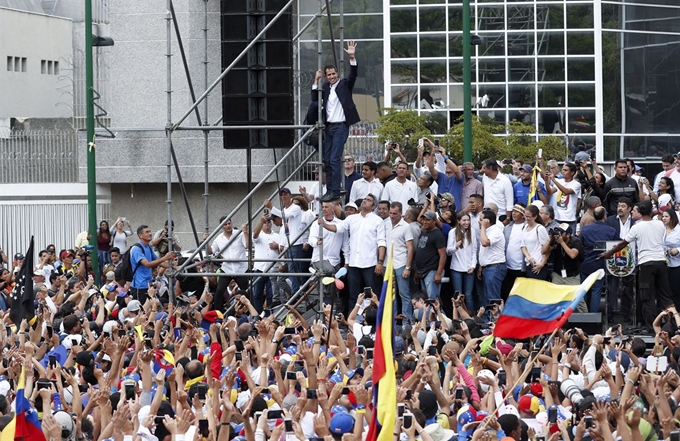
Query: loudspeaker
[
  {"x": 590, "y": 322},
  {"x": 259, "y": 89}
]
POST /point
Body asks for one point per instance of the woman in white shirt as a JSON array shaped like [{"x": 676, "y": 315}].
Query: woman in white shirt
[
  {"x": 671, "y": 243},
  {"x": 462, "y": 247},
  {"x": 535, "y": 245},
  {"x": 120, "y": 234}
]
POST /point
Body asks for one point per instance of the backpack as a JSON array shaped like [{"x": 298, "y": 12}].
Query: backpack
[{"x": 124, "y": 271}]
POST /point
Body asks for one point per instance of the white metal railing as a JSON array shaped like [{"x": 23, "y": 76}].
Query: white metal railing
[{"x": 35, "y": 156}]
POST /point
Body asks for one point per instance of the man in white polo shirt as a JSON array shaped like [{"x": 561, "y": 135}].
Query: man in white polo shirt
[{"x": 492, "y": 267}]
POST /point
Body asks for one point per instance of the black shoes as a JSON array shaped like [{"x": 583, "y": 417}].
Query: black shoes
[{"x": 329, "y": 197}]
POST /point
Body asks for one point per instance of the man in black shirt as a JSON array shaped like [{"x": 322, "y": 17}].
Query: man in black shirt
[
  {"x": 620, "y": 186},
  {"x": 430, "y": 255},
  {"x": 566, "y": 257}
]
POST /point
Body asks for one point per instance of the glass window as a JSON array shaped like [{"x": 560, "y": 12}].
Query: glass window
[
  {"x": 403, "y": 20},
  {"x": 580, "y": 43},
  {"x": 491, "y": 18},
  {"x": 357, "y": 6},
  {"x": 456, "y": 96},
  {"x": 552, "y": 16},
  {"x": 495, "y": 93},
  {"x": 491, "y": 70},
  {"x": 581, "y": 95},
  {"x": 433, "y": 71},
  {"x": 405, "y": 97},
  {"x": 494, "y": 44},
  {"x": 433, "y": 46},
  {"x": 456, "y": 71},
  {"x": 455, "y": 18},
  {"x": 550, "y": 43},
  {"x": 581, "y": 121},
  {"x": 431, "y": 2},
  {"x": 404, "y": 71},
  {"x": 521, "y": 43},
  {"x": 455, "y": 44},
  {"x": 551, "y": 69},
  {"x": 521, "y": 95},
  {"x": 521, "y": 69},
  {"x": 551, "y": 95},
  {"x": 580, "y": 16},
  {"x": 520, "y": 17},
  {"x": 612, "y": 148},
  {"x": 402, "y": 2},
  {"x": 405, "y": 46},
  {"x": 432, "y": 97},
  {"x": 432, "y": 19},
  {"x": 581, "y": 69}
]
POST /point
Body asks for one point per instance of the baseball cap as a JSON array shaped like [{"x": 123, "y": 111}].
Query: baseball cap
[
  {"x": 85, "y": 358},
  {"x": 446, "y": 197},
  {"x": 134, "y": 305},
  {"x": 19, "y": 256},
  {"x": 527, "y": 168},
  {"x": 352, "y": 205},
  {"x": 110, "y": 275},
  {"x": 431, "y": 215},
  {"x": 64, "y": 254},
  {"x": 341, "y": 423},
  {"x": 285, "y": 190},
  {"x": 565, "y": 228}
]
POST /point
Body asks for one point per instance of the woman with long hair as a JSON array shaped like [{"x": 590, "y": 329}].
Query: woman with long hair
[
  {"x": 535, "y": 245},
  {"x": 103, "y": 244},
  {"x": 462, "y": 247},
  {"x": 120, "y": 234},
  {"x": 672, "y": 247},
  {"x": 666, "y": 195}
]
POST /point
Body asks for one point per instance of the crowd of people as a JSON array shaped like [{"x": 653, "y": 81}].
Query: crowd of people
[{"x": 201, "y": 357}]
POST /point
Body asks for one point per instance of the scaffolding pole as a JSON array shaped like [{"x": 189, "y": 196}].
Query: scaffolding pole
[
  {"x": 206, "y": 133},
  {"x": 168, "y": 134}
]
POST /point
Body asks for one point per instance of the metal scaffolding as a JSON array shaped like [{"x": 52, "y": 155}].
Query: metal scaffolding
[{"x": 206, "y": 127}]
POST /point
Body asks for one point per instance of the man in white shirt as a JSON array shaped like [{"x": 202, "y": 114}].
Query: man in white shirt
[
  {"x": 492, "y": 268},
  {"x": 224, "y": 248},
  {"x": 565, "y": 195},
  {"x": 400, "y": 241},
  {"x": 333, "y": 244},
  {"x": 265, "y": 246},
  {"x": 400, "y": 189},
  {"x": 368, "y": 184},
  {"x": 366, "y": 235},
  {"x": 292, "y": 218},
  {"x": 497, "y": 189},
  {"x": 654, "y": 288}
]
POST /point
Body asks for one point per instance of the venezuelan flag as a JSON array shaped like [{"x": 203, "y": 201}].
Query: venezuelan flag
[
  {"x": 384, "y": 380},
  {"x": 536, "y": 307},
  {"x": 25, "y": 424},
  {"x": 163, "y": 359}
]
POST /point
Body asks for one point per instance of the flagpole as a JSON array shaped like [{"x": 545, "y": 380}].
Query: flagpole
[{"x": 528, "y": 368}]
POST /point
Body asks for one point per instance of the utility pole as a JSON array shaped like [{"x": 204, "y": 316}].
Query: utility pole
[
  {"x": 467, "y": 83},
  {"x": 91, "y": 163}
]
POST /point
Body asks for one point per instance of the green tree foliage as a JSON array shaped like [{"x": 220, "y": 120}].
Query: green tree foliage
[{"x": 490, "y": 139}]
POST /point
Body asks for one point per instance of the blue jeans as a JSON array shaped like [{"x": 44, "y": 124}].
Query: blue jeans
[
  {"x": 296, "y": 252},
  {"x": 463, "y": 283},
  {"x": 427, "y": 284},
  {"x": 258, "y": 292},
  {"x": 492, "y": 276},
  {"x": 595, "y": 293},
  {"x": 404, "y": 292},
  {"x": 333, "y": 150}
]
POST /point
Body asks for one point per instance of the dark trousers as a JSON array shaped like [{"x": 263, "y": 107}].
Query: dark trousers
[
  {"x": 335, "y": 136},
  {"x": 140, "y": 294},
  {"x": 674, "y": 281},
  {"x": 509, "y": 281},
  {"x": 220, "y": 300},
  {"x": 360, "y": 278},
  {"x": 622, "y": 288},
  {"x": 655, "y": 291}
]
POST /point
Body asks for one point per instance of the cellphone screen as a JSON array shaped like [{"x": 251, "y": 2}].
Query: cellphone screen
[
  {"x": 459, "y": 393},
  {"x": 291, "y": 376},
  {"x": 502, "y": 377},
  {"x": 239, "y": 345},
  {"x": 289, "y": 425},
  {"x": 408, "y": 420}
]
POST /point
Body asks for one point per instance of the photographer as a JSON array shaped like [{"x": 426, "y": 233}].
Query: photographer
[{"x": 566, "y": 256}]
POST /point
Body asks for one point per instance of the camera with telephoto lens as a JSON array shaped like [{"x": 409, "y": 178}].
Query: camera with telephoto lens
[
  {"x": 199, "y": 307},
  {"x": 428, "y": 195},
  {"x": 571, "y": 391},
  {"x": 87, "y": 250},
  {"x": 165, "y": 329}
]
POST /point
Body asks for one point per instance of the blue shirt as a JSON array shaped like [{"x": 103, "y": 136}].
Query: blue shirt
[
  {"x": 349, "y": 180},
  {"x": 591, "y": 235},
  {"x": 142, "y": 275},
  {"x": 521, "y": 192},
  {"x": 452, "y": 185}
]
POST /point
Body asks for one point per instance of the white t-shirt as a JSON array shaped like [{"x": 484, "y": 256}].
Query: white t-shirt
[
  {"x": 513, "y": 253},
  {"x": 565, "y": 204},
  {"x": 649, "y": 237},
  {"x": 533, "y": 241},
  {"x": 120, "y": 239},
  {"x": 495, "y": 252},
  {"x": 263, "y": 251}
]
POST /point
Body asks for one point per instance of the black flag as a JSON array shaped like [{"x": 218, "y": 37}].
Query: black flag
[{"x": 22, "y": 294}]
